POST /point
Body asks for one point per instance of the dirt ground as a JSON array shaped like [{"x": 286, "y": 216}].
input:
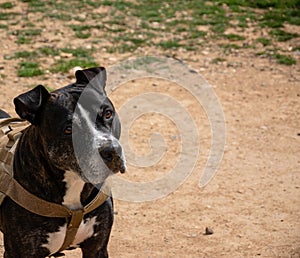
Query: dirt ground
[{"x": 253, "y": 202}]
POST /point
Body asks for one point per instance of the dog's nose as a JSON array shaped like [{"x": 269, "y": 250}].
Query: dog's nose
[
  {"x": 107, "y": 153},
  {"x": 112, "y": 155}
]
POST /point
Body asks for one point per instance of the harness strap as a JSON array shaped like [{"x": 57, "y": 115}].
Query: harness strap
[
  {"x": 77, "y": 216},
  {"x": 34, "y": 204},
  {"x": 72, "y": 229},
  {"x": 12, "y": 129},
  {"x": 30, "y": 202}
]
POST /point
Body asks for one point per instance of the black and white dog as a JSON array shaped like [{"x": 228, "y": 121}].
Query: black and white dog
[{"x": 69, "y": 149}]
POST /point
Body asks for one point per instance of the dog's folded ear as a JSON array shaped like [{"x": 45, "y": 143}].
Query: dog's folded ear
[
  {"x": 29, "y": 104},
  {"x": 95, "y": 75}
]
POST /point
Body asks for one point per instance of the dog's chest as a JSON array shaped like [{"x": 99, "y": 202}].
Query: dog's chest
[
  {"x": 85, "y": 231},
  {"x": 74, "y": 187}
]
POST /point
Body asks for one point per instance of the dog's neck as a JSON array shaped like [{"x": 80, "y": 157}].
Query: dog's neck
[{"x": 42, "y": 179}]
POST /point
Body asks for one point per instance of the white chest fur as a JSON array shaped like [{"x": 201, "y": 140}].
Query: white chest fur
[
  {"x": 74, "y": 187},
  {"x": 56, "y": 239}
]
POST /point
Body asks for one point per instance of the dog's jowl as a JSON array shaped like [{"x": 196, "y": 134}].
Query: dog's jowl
[{"x": 61, "y": 159}]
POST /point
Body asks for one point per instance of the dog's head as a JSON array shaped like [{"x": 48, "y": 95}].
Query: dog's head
[{"x": 77, "y": 126}]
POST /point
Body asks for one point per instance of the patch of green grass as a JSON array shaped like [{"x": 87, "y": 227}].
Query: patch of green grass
[
  {"x": 209, "y": 9},
  {"x": 282, "y": 35},
  {"x": 234, "y": 37},
  {"x": 229, "y": 46},
  {"x": 81, "y": 27},
  {"x": 65, "y": 65},
  {"x": 30, "y": 55},
  {"x": 189, "y": 47},
  {"x": 276, "y": 12},
  {"x": 281, "y": 59},
  {"x": 181, "y": 29},
  {"x": 218, "y": 60},
  {"x": 25, "y": 36},
  {"x": 218, "y": 28},
  {"x": 196, "y": 34},
  {"x": 264, "y": 41},
  {"x": 7, "y": 5},
  {"x": 63, "y": 5},
  {"x": 7, "y": 16},
  {"x": 268, "y": 52},
  {"x": 48, "y": 51},
  {"x": 82, "y": 35},
  {"x": 2, "y": 26},
  {"x": 130, "y": 41},
  {"x": 82, "y": 31},
  {"x": 262, "y": 4},
  {"x": 78, "y": 52},
  {"x": 273, "y": 19},
  {"x": 81, "y": 57},
  {"x": 293, "y": 16},
  {"x": 23, "y": 40},
  {"x": 209, "y": 14},
  {"x": 242, "y": 22},
  {"x": 115, "y": 29},
  {"x": 3, "y": 76},
  {"x": 59, "y": 16},
  {"x": 149, "y": 11},
  {"x": 284, "y": 59},
  {"x": 29, "y": 69},
  {"x": 169, "y": 44},
  {"x": 31, "y": 32},
  {"x": 25, "y": 54},
  {"x": 171, "y": 23}
]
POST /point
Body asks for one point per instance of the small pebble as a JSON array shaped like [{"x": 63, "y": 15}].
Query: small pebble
[
  {"x": 208, "y": 231},
  {"x": 73, "y": 70}
]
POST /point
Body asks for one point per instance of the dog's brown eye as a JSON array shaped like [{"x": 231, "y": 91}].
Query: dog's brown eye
[
  {"x": 108, "y": 114},
  {"x": 68, "y": 130}
]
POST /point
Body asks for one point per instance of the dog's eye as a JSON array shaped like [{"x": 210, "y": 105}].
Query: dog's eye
[
  {"x": 68, "y": 130},
  {"x": 108, "y": 114}
]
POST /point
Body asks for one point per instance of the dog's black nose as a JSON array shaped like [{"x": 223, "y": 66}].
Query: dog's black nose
[
  {"x": 107, "y": 153},
  {"x": 112, "y": 155}
]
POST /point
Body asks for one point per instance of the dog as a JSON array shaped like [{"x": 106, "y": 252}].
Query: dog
[{"x": 66, "y": 153}]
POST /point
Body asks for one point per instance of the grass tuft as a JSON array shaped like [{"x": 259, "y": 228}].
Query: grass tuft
[
  {"x": 29, "y": 69},
  {"x": 282, "y": 35},
  {"x": 285, "y": 60},
  {"x": 233, "y": 37},
  {"x": 64, "y": 66},
  {"x": 7, "y": 5},
  {"x": 264, "y": 41}
]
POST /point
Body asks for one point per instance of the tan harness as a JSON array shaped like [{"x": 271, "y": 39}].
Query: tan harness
[{"x": 10, "y": 132}]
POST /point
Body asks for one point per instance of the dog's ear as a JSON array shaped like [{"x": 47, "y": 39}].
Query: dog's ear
[
  {"x": 97, "y": 74},
  {"x": 28, "y": 105}
]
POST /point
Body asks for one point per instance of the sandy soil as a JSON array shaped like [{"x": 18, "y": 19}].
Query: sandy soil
[{"x": 252, "y": 204}]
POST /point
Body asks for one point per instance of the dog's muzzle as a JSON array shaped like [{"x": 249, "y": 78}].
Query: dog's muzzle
[{"x": 112, "y": 154}]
